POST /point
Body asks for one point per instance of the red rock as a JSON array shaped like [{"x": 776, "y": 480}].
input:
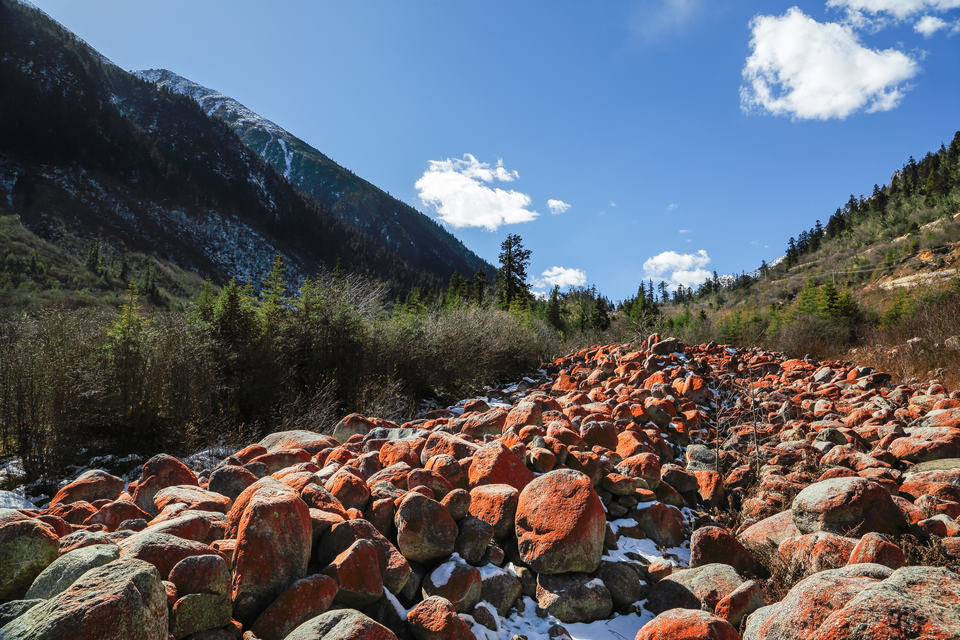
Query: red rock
[
  {"x": 488, "y": 423},
  {"x": 843, "y": 505},
  {"x": 710, "y": 487},
  {"x": 600, "y": 433},
  {"x": 394, "y": 451},
  {"x": 523, "y": 414},
  {"x": 645, "y": 466},
  {"x": 763, "y": 538},
  {"x": 73, "y": 512},
  {"x": 741, "y": 602},
  {"x": 357, "y": 573},
  {"x": 113, "y": 513},
  {"x": 284, "y": 440},
  {"x": 715, "y": 544},
  {"x": 274, "y": 534},
  {"x": 560, "y": 523},
  {"x": 89, "y": 486},
  {"x": 193, "y": 497},
  {"x": 495, "y": 504},
  {"x": 449, "y": 468},
  {"x": 392, "y": 566},
  {"x": 496, "y": 464},
  {"x": 662, "y": 523},
  {"x": 436, "y": 618},
  {"x": 813, "y": 552},
  {"x": 277, "y": 460},
  {"x": 439, "y": 442},
  {"x": 927, "y": 443},
  {"x": 866, "y": 601},
  {"x": 425, "y": 529},
  {"x": 878, "y": 549},
  {"x": 301, "y": 601},
  {"x": 162, "y": 550},
  {"x": 687, "y": 624},
  {"x": 455, "y": 581},
  {"x": 349, "y": 489}
]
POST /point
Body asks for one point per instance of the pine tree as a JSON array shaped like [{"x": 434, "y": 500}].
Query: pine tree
[
  {"x": 273, "y": 296},
  {"x": 93, "y": 257},
  {"x": 511, "y": 281},
  {"x": 479, "y": 288},
  {"x": 554, "y": 316},
  {"x": 600, "y": 318}
]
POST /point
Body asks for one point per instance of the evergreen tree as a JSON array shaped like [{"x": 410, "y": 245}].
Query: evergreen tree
[
  {"x": 511, "y": 281},
  {"x": 93, "y": 257},
  {"x": 600, "y": 318},
  {"x": 554, "y": 316},
  {"x": 479, "y": 287}
]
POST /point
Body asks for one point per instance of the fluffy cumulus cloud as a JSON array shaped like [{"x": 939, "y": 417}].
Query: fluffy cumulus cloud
[
  {"x": 557, "y": 206},
  {"x": 687, "y": 269},
  {"x": 899, "y": 9},
  {"x": 564, "y": 277},
  {"x": 463, "y": 193},
  {"x": 929, "y": 25},
  {"x": 806, "y": 69}
]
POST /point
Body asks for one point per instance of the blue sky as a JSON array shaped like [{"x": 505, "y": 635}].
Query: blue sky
[{"x": 675, "y": 137}]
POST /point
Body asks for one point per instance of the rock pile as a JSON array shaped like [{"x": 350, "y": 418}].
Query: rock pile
[{"x": 781, "y": 499}]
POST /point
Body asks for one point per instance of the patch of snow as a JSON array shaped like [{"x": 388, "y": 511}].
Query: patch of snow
[
  {"x": 12, "y": 500},
  {"x": 441, "y": 575},
  {"x": 392, "y": 599}
]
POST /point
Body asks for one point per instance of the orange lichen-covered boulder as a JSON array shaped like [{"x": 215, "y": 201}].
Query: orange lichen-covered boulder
[
  {"x": 495, "y": 504},
  {"x": 496, "y": 464},
  {"x": 303, "y": 600},
  {"x": 716, "y": 544},
  {"x": 687, "y": 624},
  {"x": 865, "y": 601},
  {"x": 560, "y": 523},
  {"x": 841, "y": 505},
  {"x": 89, "y": 486},
  {"x": 878, "y": 549},
  {"x": 425, "y": 529},
  {"x": 435, "y": 618},
  {"x": 274, "y": 534}
]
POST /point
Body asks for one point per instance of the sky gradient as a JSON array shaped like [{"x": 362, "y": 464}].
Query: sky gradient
[{"x": 621, "y": 140}]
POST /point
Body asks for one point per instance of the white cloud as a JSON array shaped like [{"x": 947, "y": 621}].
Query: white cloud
[
  {"x": 562, "y": 277},
  {"x": 613, "y": 204},
  {"x": 684, "y": 231},
  {"x": 687, "y": 269},
  {"x": 557, "y": 206},
  {"x": 458, "y": 190},
  {"x": 673, "y": 206},
  {"x": 813, "y": 70},
  {"x": 899, "y": 9},
  {"x": 654, "y": 20},
  {"x": 929, "y": 25}
]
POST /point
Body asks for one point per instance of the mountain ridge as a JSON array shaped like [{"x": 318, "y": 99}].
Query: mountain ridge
[{"x": 414, "y": 236}]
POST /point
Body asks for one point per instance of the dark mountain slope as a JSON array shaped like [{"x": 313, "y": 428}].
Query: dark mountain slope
[
  {"x": 88, "y": 150},
  {"x": 412, "y": 235}
]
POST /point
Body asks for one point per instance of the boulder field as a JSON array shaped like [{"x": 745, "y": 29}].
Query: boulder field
[{"x": 699, "y": 492}]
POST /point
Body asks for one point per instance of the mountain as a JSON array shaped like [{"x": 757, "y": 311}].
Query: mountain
[
  {"x": 93, "y": 155},
  {"x": 412, "y": 235}
]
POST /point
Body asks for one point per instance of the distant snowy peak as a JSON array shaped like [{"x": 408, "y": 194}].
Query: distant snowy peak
[{"x": 211, "y": 101}]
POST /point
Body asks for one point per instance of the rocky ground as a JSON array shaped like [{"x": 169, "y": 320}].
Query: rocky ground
[{"x": 661, "y": 492}]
